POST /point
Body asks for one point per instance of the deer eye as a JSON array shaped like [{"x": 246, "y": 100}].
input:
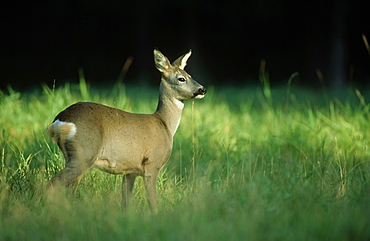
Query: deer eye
[{"x": 181, "y": 79}]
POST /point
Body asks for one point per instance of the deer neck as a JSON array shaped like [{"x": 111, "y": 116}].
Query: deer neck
[{"x": 169, "y": 110}]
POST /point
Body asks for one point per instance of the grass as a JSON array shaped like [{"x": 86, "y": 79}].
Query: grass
[{"x": 290, "y": 165}]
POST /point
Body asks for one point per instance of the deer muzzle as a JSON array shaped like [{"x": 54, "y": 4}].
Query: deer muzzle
[{"x": 200, "y": 93}]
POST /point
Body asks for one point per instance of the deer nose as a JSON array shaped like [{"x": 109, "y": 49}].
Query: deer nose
[
  {"x": 199, "y": 94},
  {"x": 202, "y": 91}
]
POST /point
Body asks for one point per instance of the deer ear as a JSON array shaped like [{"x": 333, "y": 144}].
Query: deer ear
[
  {"x": 181, "y": 62},
  {"x": 161, "y": 61}
]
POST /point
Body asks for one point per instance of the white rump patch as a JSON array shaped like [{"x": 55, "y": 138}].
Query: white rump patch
[{"x": 65, "y": 129}]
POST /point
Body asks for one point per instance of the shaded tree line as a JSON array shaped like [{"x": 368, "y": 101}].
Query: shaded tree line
[{"x": 321, "y": 40}]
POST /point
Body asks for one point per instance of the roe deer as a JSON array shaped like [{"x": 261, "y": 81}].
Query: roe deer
[{"x": 93, "y": 135}]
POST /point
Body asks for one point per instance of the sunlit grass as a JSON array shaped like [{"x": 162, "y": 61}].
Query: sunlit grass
[{"x": 290, "y": 165}]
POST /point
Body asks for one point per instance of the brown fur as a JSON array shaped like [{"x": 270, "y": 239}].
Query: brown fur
[{"x": 119, "y": 142}]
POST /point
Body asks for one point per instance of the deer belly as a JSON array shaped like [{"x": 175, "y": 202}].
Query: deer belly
[{"x": 114, "y": 167}]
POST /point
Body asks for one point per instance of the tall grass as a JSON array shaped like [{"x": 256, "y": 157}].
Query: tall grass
[{"x": 247, "y": 164}]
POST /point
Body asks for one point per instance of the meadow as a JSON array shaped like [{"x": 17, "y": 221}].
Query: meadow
[{"x": 248, "y": 163}]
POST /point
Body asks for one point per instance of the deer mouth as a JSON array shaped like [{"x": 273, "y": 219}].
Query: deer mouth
[{"x": 200, "y": 93}]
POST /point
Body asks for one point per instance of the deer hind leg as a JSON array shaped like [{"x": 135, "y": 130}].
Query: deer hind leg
[
  {"x": 127, "y": 187},
  {"x": 69, "y": 175},
  {"x": 78, "y": 158},
  {"x": 76, "y": 165}
]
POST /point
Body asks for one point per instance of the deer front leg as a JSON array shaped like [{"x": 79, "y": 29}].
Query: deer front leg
[
  {"x": 151, "y": 191},
  {"x": 127, "y": 186}
]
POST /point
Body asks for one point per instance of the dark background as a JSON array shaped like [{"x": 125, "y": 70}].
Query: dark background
[{"x": 46, "y": 40}]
